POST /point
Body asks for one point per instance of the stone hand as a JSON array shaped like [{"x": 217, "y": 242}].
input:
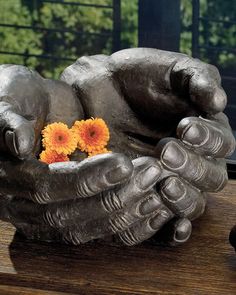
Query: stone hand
[
  {"x": 144, "y": 93},
  {"x": 27, "y": 103},
  {"x": 161, "y": 96},
  {"x": 133, "y": 134},
  {"x": 67, "y": 201},
  {"x": 105, "y": 195}
]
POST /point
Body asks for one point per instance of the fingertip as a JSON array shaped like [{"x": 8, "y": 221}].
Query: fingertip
[
  {"x": 175, "y": 232},
  {"x": 218, "y": 102},
  {"x": 21, "y": 141},
  {"x": 182, "y": 231},
  {"x": 210, "y": 137},
  {"x": 18, "y": 135},
  {"x": 10, "y": 140},
  {"x": 122, "y": 168},
  {"x": 172, "y": 155},
  {"x": 162, "y": 144},
  {"x": 207, "y": 95},
  {"x": 183, "y": 125},
  {"x": 194, "y": 133}
]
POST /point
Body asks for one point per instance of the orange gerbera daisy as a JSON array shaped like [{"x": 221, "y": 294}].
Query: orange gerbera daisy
[
  {"x": 49, "y": 157},
  {"x": 98, "y": 152},
  {"x": 93, "y": 134},
  {"x": 59, "y": 138}
]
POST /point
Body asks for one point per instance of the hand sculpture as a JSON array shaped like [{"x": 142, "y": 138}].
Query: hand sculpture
[{"x": 142, "y": 94}]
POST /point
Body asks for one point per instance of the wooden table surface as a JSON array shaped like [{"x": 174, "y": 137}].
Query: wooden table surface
[{"x": 206, "y": 264}]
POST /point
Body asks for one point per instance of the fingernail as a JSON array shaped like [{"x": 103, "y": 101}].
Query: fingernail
[
  {"x": 173, "y": 156},
  {"x": 148, "y": 177},
  {"x": 195, "y": 134},
  {"x": 151, "y": 204},
  {"x": 183, "y": 230},
  {"x": 10, "y": 139},
  {"x": 159, "y": 220},
  {"x": 118, "y": 174},
  {"x": 173, "y": 189}
]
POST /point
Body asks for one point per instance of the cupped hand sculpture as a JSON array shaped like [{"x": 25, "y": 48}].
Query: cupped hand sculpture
[{"x": 169, "y": 139}]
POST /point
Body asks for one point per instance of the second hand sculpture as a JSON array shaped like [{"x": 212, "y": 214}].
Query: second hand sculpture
[{"x": 154, "y": 174}]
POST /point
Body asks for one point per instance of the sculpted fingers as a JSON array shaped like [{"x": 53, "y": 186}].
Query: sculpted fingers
[
  {"x": 89, "y": 177},
  {"x": 43, "y": 183},
  {"x": 146, "y": 228},
  {"x": 177, "y": 198},
  {"x": 182, "y": 199},
  {"x": 175, "y": 232},
  {"x": 134, "y": 225},
  {"x": 206, "y": 174},
  {"x": 16, "y": 133},
  {"x": 117, "y": 222},
  {"x": 181, "y": 229},
  {"x": 201, "y": 82},
  {"x": 147, "y": 172},
  {"x": 145, "y": 175},
  {"x": 207, "y": 137}
]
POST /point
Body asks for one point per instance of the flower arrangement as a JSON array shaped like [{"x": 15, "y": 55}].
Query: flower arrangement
[{"x": 60, "y": 141}]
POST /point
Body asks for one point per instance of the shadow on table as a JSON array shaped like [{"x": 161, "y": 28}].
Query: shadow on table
[
  {"x": 95, "y": 265},
  {"x": 105, "y": 268}
]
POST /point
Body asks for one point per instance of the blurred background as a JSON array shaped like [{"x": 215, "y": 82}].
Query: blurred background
[{"x": 50, "y": 35}]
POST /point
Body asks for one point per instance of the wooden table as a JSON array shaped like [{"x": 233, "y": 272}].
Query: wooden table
[{"x": 206, "y": 264}]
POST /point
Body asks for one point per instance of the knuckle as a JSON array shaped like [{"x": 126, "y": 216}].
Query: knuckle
[
  {"x": 214, "y": 72},
  {"x": 231, "y": 145},
  {"x": 119, "y": 223},
  {"x": 129, "y": 238},
  {"x": 111, "y": 201},
  {"x": 53, "y": 219},
  {"x": 83, "y": 188},
  {"x": 41, "y": 197},
  {"x": 217, "y": 144},
  {"x": 72, "y": 237},
  {"x": 222, "y": 181},
  {"x": 200, "y": 171}
]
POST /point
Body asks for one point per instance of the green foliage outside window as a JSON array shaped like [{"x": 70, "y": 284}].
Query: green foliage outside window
[
  {"x": 63, "y": 44},
  {"x": 217, "y": 33},
  {"x": 99, "y": 20}
]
